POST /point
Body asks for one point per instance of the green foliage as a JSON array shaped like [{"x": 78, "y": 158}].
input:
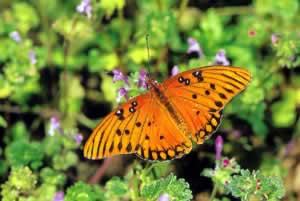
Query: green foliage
[
  {"x": 20, "y": 183},
  {"x": 176, "y": 189},
  {"x": 84, "y": 192},
  {"x": 244, "y": 184}
]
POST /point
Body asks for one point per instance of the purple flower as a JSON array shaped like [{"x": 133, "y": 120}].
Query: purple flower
[
  {"x": 219, "y": 146},
  {"x": 274, "y": 39},
  {"x": 142, "y": 79},
  {"x": 122, "y": 93},
  {"x": 85, "y": 8},
  {"x": 78, "y": 138},
  {"x": 118, "y": 75},
  {"x": 194, "y": 47},
  {"x": 236, "y": 133},
  {"x": 175, "y": 70},
  {"x": 32, "y": 57},
  {"x": 221, "y": 59},
  {"x": 54, "y": 126},
  {"x": 15, "y": 36},
  {"x": 59, "y": 196},
  {"x": 163, "y": 197},
  {"x": 289, "y": 146}
]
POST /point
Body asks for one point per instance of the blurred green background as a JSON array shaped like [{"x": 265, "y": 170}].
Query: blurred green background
[{"x": 53, "y": 61}]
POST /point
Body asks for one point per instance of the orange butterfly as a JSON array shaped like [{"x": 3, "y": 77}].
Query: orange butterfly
[{"x": 158, "y": 125}]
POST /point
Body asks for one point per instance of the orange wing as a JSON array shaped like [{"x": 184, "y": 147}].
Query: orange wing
[
  {"x": 201, "y": 94},
  {"x": 138, "y": 126}
]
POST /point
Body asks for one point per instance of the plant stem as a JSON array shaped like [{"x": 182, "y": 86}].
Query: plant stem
[
  {"x": 213, "y": 193},
  {"x": 182, "y": 7}
]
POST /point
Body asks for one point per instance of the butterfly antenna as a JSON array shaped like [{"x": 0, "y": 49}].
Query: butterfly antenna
[{"x": 148, "y": 52}]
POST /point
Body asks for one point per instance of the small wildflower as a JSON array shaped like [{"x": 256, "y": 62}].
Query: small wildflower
[
  {"x": 122, "y": 93},
  {"x": 274, "y": 39},
  {"x": 118, "y": 75},
  {"x": 219, "y": 146},
  {"x": 78, "y": 138},
  {"x": 163, "y": 197},
  {"x": 236, "y": 133},
  {"x": 175, "y": 70},
  {"x": 252, "y": 33},
  {"x": 288, "y": 148},
  {"x": 221, "y": 59},
  {"x": 225, "y": 163},
  {"x": 142, "y": 79},
  {"x": 194, "y": 47},
  {"x": 32, "y": 57},
  {"x": 54, "y": 126},
  {"x": 85, "y": 8},
  {"x": 59, "y": 196},
  {"x": 15, "y": 36}
]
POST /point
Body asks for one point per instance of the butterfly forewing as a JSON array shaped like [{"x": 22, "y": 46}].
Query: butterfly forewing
[
  {"x": 119, "y": 132},
  {"x": 201, "y": 94}
]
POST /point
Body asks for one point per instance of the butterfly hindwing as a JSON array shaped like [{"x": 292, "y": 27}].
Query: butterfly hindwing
[
  {"x": 201, "y": 94},
  {"x": 162, "y": 139}
]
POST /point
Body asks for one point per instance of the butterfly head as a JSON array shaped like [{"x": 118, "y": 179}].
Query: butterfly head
[{"x": 150, "y": 82}]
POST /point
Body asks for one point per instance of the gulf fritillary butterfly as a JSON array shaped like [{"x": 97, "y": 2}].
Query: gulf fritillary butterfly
[{"x": 158, "y": 125}]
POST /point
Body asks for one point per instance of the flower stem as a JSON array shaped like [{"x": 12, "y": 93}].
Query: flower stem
[
  {"x": 182, "y": 7},
  {"x": 213, "y": 193}
]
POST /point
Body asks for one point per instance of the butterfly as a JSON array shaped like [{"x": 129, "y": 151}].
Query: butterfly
[{"x": 161, "y": 123}]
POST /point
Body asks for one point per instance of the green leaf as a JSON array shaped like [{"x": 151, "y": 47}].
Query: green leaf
[
  {"x": 116, "y": 188},
  {"x": 3, "y": 122},
  {"x": 21, "y": 152},
  {"x": 21, "y": 181},
  {"x": 176, "y": 189},
  {"x": 84, "y": 192}
]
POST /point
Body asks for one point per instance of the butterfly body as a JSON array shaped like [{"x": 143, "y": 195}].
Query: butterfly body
[{"x": 158, "y": 125}]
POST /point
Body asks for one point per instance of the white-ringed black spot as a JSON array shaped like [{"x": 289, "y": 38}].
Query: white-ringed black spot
[
  {"x": 187, "y": 81},
  {"x": 180, "y": 79},
  {"x": 131, "y": 109},
  {"x": 119, "y": 112},
  {"x": 196, "y": 73},
  {"x": 134, "y": 104}
]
